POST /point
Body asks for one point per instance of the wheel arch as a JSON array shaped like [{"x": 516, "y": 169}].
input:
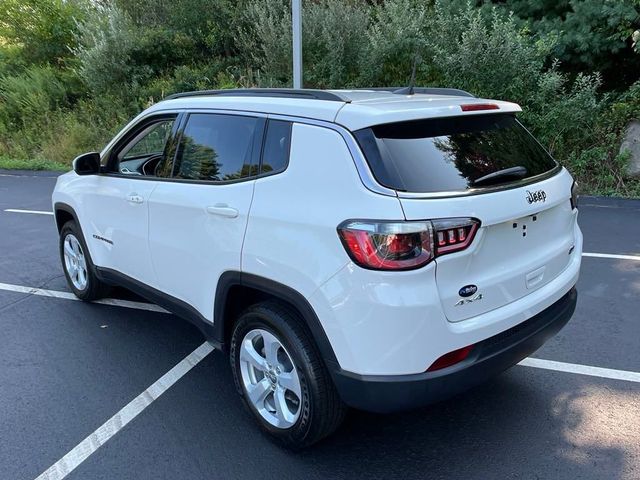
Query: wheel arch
[
  {"x": 63, "y": 213},
  {"x": 237, "y": 290}
]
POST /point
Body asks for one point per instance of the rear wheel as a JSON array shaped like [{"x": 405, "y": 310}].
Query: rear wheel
[
  {"x": 281, "y": 377},
  {"x": 78, "y": 267}
]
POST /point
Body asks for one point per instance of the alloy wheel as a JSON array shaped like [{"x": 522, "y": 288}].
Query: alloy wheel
[
  {"x": 270, "y": 379},
  {"x": 75, "y": 262}
]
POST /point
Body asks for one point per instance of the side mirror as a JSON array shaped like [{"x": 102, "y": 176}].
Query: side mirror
[{"x": 87, "y": 164}]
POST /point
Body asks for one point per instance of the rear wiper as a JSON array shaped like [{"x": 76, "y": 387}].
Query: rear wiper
[{"x": 501, "y": 175}]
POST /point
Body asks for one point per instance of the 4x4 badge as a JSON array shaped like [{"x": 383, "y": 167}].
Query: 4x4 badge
[
  {"x": 464, "y": 301},
  {"x": 537, "y": 196}
]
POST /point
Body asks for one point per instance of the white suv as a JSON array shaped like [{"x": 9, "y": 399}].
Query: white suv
[{"x": 363, "y": 248}]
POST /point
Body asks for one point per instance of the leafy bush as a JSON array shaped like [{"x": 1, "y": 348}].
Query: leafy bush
[
  {"x": 88, "y": 127},
  {"x": 44, "y": 29},
  {"x": 485, "y": 54},
  {"x": 103, "y": 53},
  {"x": 26, "y": 96},
  {"x": 597, "y": 161},
  {"x": 186, "y": 78},
  {"x": 589, "y": 33},
  {"x": 265, "y": 40},
  {"x": 332, "y": 41},
  {"x": 397, "y": 34}
]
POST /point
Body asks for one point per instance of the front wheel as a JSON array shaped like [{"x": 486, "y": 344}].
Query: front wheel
[
  {"x": 281, "y": 377},
  {"x": 78, "y": 267}
]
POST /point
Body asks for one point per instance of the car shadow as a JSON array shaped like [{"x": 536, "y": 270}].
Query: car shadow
[{"x": 507, "y": 428}]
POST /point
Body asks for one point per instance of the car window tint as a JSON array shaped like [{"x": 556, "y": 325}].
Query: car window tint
[
  {"x": 453, "y": 153},
  {"x": 275, "y": 156},
  {"x": 216, "y": 147}
]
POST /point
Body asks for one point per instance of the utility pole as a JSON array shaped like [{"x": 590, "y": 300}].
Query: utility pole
[{"x": 296, "y": 14}]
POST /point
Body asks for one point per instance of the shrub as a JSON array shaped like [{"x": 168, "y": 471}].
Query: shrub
[
  {"x": 485, "y": 54},
  {"x": 333, "y": 39},
  {"x": 88, "y": 127},
  {"x": 597, "y": 160},
  {"x": 206, "y": 76},
  {"x": 563, "y": 114},
  {"x": 591, "y": 34},
  {"x": 397, "y": 34},
  {"x": 27, "y": 96},
  {"x": 45, "y": 29},
  {"x": 103, "y": 53},
  {"x": 265, "y": 40}
]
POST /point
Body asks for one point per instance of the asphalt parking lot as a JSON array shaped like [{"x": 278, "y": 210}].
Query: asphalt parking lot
[{"x": 67, "y": 368}]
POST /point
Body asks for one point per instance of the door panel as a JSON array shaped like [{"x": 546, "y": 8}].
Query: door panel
[
  {"x": 196, "y": 233},
  {"x": 118, "y": 225},
  {"x": 197, "y": 221},
  {"x": 117, "y": 205}
]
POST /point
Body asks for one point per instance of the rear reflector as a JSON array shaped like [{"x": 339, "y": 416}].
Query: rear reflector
[
  {"x": 472, "y": 107},
  {"x": 451, "y": 358}
]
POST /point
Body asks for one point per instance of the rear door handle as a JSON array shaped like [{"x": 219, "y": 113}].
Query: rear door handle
[
  {"x": 134, "y": 198},
  {"x": 223, "y": 210}
]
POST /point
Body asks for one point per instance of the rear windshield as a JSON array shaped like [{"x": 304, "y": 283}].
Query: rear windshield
[{"x": 453, "y": 154}]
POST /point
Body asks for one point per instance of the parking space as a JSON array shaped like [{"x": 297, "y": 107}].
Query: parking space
[{"x": 67, "y": 367}]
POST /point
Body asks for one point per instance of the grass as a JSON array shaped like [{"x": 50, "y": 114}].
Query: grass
[{"x": 35, "y": 164}]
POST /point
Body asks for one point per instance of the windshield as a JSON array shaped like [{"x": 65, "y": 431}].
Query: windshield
[{"x": 452, "y": 154}]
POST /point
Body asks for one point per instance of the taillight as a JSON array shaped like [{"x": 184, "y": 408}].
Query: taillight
[
  {"x": 384, "y": 245},
  {"x": 473, "y": 107},
  {"x": 388, "y": 245},
  {"x": 451, "y": 358},
  {"x": 574, "y": 195},
  {"x": 454, "y": 234}
]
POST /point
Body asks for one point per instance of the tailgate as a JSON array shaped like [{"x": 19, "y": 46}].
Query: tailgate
[{"x": 520, "y": 246}]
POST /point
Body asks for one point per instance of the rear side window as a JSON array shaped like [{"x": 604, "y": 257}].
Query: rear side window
[
  {"x": 453, "y": 154},
  {"x": 216, "y": 148},
  {"x": 277, "y": 143}
]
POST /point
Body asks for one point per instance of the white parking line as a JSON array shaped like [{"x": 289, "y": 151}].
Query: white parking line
[
  {"x": 94, "y": 441},
  {"x": 575, "y": 368},
  {"x": 151, "y": 307},
  {"x": 612, "y": 255},
  {"x": 37, "y": 212}
]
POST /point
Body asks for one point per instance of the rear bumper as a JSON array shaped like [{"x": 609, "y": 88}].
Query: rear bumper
[{"x": 389, "y": 393}]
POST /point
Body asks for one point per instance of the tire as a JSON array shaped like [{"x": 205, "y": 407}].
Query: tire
[
  {"x": 86, "y": 287},
  {"x": 320, "y": 411}
]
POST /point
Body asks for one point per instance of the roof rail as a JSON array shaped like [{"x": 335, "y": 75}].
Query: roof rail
[
  {"x": 307, "y": 94},
  {"x": 424, "y": 90}
]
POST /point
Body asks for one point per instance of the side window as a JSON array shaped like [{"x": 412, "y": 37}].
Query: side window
[
  {"x": 146, "y": 152},
  {"x": 216, "y": 147},
  {"x": 275, "y": 155},
  {"x": 151, "y": 142}
]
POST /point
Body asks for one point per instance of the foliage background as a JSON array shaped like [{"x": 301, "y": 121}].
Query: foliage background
[{"x": 72, "y": 72}]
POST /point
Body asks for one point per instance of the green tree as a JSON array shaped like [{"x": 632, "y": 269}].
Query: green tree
[
  {"x": 44, "y": 29},
  {"x": 592, "y": 35}
]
